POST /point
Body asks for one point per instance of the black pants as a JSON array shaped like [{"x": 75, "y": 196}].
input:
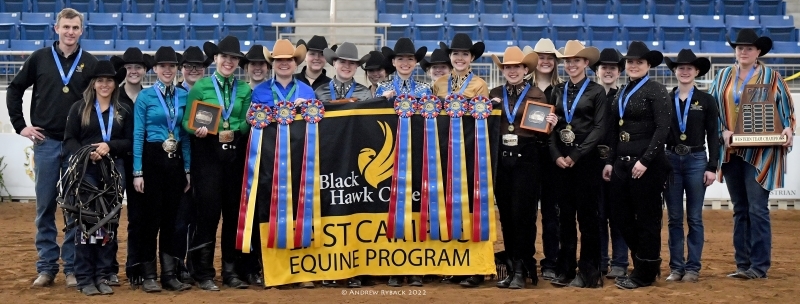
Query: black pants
[
  {"x": 217, "y": 172},
  {"x": 156, "y": 211},
  {"x": 577, "y": 189},
  {"x": 517, "y": 193},
  {"x": 183, "y": 221},
  {"x": 636, "y": 206},
  {"x": 548, "y": 208}
]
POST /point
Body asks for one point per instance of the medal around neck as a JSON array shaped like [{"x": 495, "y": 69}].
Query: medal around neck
[
  {"x": 170, "y": 145},
  {"x": 758, "y": 122}
]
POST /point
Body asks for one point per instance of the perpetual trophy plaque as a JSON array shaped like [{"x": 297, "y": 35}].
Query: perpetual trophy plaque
[{"x": 758, "y": 122}]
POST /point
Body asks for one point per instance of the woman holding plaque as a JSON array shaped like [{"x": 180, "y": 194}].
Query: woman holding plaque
[
  {"x": 582, "y": 110},
  {"x": 161, "y": 156},
  {"x": 752, "y": 172},
  {"x": 517, "y": 167},
  {"x": 218, "y": 164},
  {"x": 637, "y": 166}
]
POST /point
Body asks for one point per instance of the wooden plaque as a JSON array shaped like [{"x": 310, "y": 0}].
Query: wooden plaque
[
  {"x": 533, "y": 118},
  {"x": 204, "y": 114},
  {"x": 758, "y": 122}
]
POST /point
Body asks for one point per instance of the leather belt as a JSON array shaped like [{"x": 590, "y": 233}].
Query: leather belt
[
  {"x": 510, "y": 154},
  {"x": 627, "y": 158},
  {"x": 228, "y": 147},
  {"x": 628, "y": 137},
  {"x": 682, "y": 149}
]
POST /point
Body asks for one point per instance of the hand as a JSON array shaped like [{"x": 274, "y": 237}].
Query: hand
[
  {"x": 497, "y": 100},
  {"x": 562, "y": 163},
  {"x": 708, "y": 178},
  {"x": 569, "y": 161},
  {"x": 138, "y": 184},
  {"x": 201, "y": 132},
  {"x": 299, "y": 101},
  {"x": 388, "y": 94},
  {"x": 726, "y": 137},
  {"x": 188, "y": 184},
  {"x": 102, "y": 148},
  {"x": 32, "y": 133},
  {"x": 638, "y": 170},
  {"x": 789, "y": 137},
  {"x": 94, "y": 156},
  {"x": 607, "y": 173},
  {"x": 552, "y": 119}
]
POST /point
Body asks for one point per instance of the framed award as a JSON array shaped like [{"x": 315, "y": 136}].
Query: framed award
[
  {"x": 204, "y": 114},
  {"x": 533, "y": 118},
  {"x": 758, "y": 122}
]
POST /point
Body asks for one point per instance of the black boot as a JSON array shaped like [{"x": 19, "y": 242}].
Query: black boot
[
  {"x": 518, "y": 282},
  {"x": 184, "y": 271},
  {"x": 643, "y": 275},
  {"x": 472, "y": 281},
  {"x": 149, "y": 274},
  {"x": 509, "y": 275},
  {"x": 229, "y": 276},
  {"x": 530, "y": 266},
  {"x": 203, "y": 258},
  {"x": 134, "y": 274},
  {"x": 169, "y": 278},
  {"x": 590, "y": 275}
]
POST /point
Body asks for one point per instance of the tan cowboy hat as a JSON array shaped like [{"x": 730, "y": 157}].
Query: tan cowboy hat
[
  {"x": 575, "y": 48},
  {"x": 285, "y": 49},
  {"x": 545, "y": 46},
  {"x": 513, "y": 55}
]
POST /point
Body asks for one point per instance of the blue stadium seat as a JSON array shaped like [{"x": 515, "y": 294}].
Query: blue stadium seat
[
  {"x": 205, "y": 26},
  {"x": 240, "y": 25},
  {"x": 145, "y": 6},
  {"x": 102, "y": 31},
  {"x": 603, "y": 27},
  {"x": 769, "y": 8},
  {"x": 718, "y": 47},
  {"x": 278, "y": 6},
  {"x": 426, "y": 27},
  {"x": 177, "y": 6},
  {"x": 130, "y": 18},
  {"x": 46, "y": 6},
  {"x": 268, "y": 43},
  {"x": 26, "y": 45},
  {"x": 497, "y": 27},
  {"x": 499, "y": 46},
  {"x": 532, "y": 19},
  {"x": 243, "y": 6},
  {"x": 3, "y": 46},
  {"x": 677, "y": 46},
  {"x": 462, "y": 23},
  {"x": 9, "y": 26},
  {"x": 673, "y": 27},
  {"x": 113, "y": 6},
  {"x": 175, "y": 44},
  {"x": 393, "y": 6},
  {"x": 170, "y": 31},
  {"x": 708, "y": 27},
  {"x": 427, "y": 6},
  {"x": 164, "y": 18},
  {"x": 84, "y": 6},
  {"x": 596, "y": 7},
  {"x": 665, "y": 7},
  {"x": 632, "y": 7},
  {"x": 137, "y": 31},
  {"x": 461, "y": 7},
  {"x": 527, "y": 7},
  {"x": 494, "y": 7},
  {"x": 606, "y": 44},
  {"x": 780, "y": 28},
  {"x": 38, "y": 18},
  {"x": 14, "y": 6},
  {"x": 734, "y": 7},
  {"x": 699, "y": 7},
  {"x": 104, "y": 18},
  {"x": 198, "y": 43},
  {"x": 396, "y": 19},
  {"x": 637, "y": 27},
  {"x": 122, "y": 44},
  {"x": 562, "y": 7},
  {"x": 567, "y": 27},
  {"x": 264, "y": 28},
  {"x": 532, "y": 27},
  {"x": 742, "y": 21},
  {"x": 98, "y": 45},
  {"x": 209, "y": 6},
  {"x": 36, "y": 26},
  {"x": 785, "y": 47},
  {"x": 431, "y": 44}
]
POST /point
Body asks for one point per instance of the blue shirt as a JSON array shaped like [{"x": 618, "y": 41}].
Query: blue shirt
[
  {"x": 420, "y": 88},
  {"x": 149, "y": 119},
  {"x": 262, "y": 93}
]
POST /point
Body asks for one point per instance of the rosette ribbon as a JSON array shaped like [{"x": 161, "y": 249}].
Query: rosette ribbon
[
  {"x": 399, "y": 222},
  {"x": 432, "y": 202},
  {"x": 259, "y": 117},
  {"x": 456, "y": 197},
  {"x": 480, "y": 109},
  {"x": 309, "y": 213},
  {"x": 281, "y": 223}
]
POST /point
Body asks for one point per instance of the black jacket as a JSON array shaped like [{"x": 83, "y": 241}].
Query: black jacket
[
  {"x": 76, "y": 135},
  {"x": 702, "y": 126},
  {"x": 323, "y": 79},
  {"x": 589, "y": 121}
]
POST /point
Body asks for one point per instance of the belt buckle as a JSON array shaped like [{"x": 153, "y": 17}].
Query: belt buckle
[
  {"x": 625, "y": 158},
  {"x": 624, "y": 136},
  {"x": 681, "y": 149},
  {"x": 228, "y": 147},
  {"x": 171, "y": 155}
]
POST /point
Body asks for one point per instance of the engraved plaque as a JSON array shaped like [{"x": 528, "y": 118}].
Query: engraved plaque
[
  {"x": 203, "y": 114},
  {"x": 533, "y": 118},
  {"x": 758, "y": 123}
]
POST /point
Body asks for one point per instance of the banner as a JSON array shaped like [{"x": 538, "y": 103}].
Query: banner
[{"x": 356, "y": 162}]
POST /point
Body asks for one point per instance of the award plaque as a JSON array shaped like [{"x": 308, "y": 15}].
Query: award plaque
[
  {"x": 533, "y": 118},
  {"x": 204, "y": 114},
  {"x": 758, "y": 122}
]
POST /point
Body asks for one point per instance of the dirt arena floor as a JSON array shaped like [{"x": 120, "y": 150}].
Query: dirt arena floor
[{"x": 17, "y": 271}]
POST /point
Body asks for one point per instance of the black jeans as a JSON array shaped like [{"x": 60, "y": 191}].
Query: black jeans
[
  {"x": 517, "y": 192},
  {"x": 548, "y": 208}
]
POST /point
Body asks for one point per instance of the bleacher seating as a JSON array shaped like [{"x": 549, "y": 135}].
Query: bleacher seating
[
  {"x": 98, "y": 45},
  {"x": 673, "y": 27},
  {"x": 11, "y": 6},
  {"x": 9, "y": 26},
  {"x": 112, "y": 6},
  {"x": 665, "y": 7}
]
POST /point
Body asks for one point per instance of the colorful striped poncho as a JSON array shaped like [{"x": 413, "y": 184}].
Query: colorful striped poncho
[{"x": 769, "y": 161}]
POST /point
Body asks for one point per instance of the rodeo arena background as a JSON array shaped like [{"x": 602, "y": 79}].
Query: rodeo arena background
[{"x": 254, "y": 151}]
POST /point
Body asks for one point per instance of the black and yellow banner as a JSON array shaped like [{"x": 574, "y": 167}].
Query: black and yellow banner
[{"x": 356, "y": 159}]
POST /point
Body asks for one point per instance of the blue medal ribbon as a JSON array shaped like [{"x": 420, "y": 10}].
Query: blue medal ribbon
[
  {"x": 463, "y": 86},
  {"x": 622, "y": 105},
  {"x": 226, "y": 109},
  {"x": 682, "y": 120},
  {"x": 568, "y": 114},
  {"x": 278, "y": 96},
  {"x": 170, "y": 114},
  {"x": 65, "y": 79},
  {"x": 737, "y": 91},
  {"x": 105, "y": 131},
  {"x": 511, "y": 115},
  {"x": 349, "y": 93}
]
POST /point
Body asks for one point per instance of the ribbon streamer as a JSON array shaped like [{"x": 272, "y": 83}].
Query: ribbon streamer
[
  {"x": 281, "y": 223},
  {"x": 456, "y": 196},
  {"x": 258, "y": 117},
  {"x": 432, "y": 201},
  {"x": 399, "y": 222},
  {"x": 308, "y": 206},
  {"x": 480, "y": 109}
]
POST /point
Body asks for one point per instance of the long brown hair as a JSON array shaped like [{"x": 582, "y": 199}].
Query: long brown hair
[{"x": 89, "y": 96}]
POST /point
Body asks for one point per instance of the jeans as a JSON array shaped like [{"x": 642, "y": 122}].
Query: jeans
[
  {"x": 687, "y": 175},
  {"x": 752, "y": 234},
  {"x": 619, "y": 250},
  {"x": 51, "y": 163}
]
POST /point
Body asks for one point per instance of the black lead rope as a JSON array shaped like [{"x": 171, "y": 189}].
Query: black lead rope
[{"x": 91, "y": 207}]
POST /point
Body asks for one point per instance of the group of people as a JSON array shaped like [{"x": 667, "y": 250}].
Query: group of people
[{"x": 625, "y": 147}]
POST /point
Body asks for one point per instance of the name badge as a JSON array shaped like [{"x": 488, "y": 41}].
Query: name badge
[{"x": 510, "y": 140}]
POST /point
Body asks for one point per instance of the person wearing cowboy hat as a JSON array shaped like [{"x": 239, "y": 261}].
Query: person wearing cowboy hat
[
  {"x": 314, "y": 74},
  {"x": 345, "y": 61},
  {"x": 581, "y": 107},
  {"x": 461, "y": 81},
  {"x": 95, "y": 263},
  {"x": 255, "y": 65},
  {"x": 751, "y": 172},
  {"x": 517, "y": 181},
  {"x": 437, "y": 66},
  {"x": 642, "y": 113},
  {"x": 608, "y": 69},
  {"x": 284, "y": 58},
  {"x": 694, "y": 124},
  {"x": 404, "y": 58},
  {"x": 218, "y": 165},
  {"x": 375, "y": 69},
  {"x": 161, "y": 156},
  {"x": 193, "y": 67}
]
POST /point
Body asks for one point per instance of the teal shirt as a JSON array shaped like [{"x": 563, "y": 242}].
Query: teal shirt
[
  {"x": 203, "y": 90},
  {"x": 150, "y": 123}
]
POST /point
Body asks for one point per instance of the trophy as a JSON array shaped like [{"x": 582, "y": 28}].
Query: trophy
[{"x": 758, "y": 122}]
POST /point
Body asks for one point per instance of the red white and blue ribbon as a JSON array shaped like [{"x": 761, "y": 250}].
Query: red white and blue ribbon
[
  {"x": 456, "y": 197},
  {"x": 281, "y": 223},
  {"x": 259, "y": 117},
  {"x": 308, "y": 205},
  {"x": 480, "y": 109},
  {"x": 399, "y": 222},
  {"x": 432, "y": 201}
]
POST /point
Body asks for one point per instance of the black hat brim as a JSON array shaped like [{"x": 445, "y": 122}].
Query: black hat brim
[
  {"x": 702, "y": 64},
  {"x": 476, "y": 49},
  {"x": 654, "y": 58},
  {"x": 763, "y": 43},
  {"x": 118, "y": 62}
]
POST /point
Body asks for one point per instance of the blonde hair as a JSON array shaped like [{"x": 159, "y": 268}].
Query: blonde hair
[
  {"x": 69, "y": 13},
  {"x": 89, "y": 97}
]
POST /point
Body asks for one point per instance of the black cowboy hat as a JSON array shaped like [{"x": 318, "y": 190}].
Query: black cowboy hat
[
  {"x": 105, "y": 68},
  {"x": 300, "y": 42},
  {"x": 639, "y": 50},
  {"x": 609, "y": 56},
  {"x": 438, "y": 56},
  {"x": 255, "y": 54},
  {"x": 132, "y": 55},
  {"x": 404, "y": 46},
  {"x": 316, "y": 43},
  {"x": 193, "y": 54},
  {"x": 749, "y": 37},
  {"x": 228, "y": 46},
  {"x": 686, "y": 56},
  {"x": 166, "y": 54},
  {"x": 462, "y": 41}
]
